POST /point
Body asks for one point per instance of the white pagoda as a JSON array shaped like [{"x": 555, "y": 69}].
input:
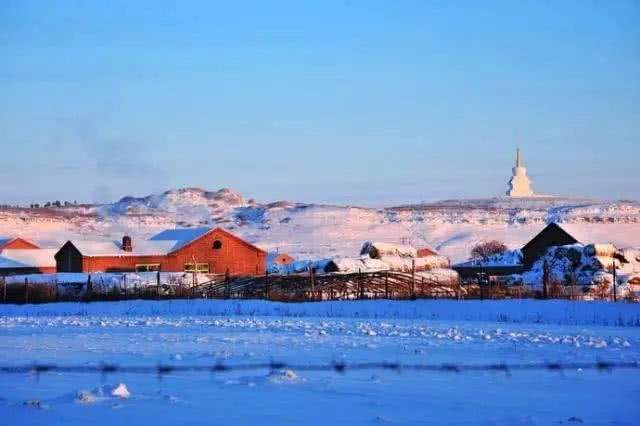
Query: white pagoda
[{"x": 520, "y": 184}]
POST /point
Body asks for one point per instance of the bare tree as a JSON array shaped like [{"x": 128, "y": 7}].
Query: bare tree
[{"x": 486, "y": 249}]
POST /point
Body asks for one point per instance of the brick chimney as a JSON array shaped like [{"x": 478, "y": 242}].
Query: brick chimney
[{"x": 126, "y": 243}]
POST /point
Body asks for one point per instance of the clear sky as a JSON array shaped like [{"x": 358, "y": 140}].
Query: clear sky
[{"x": 361, "y": 102}]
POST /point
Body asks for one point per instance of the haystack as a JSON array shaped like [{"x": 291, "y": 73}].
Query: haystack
[{"x": 377, "y": 250}]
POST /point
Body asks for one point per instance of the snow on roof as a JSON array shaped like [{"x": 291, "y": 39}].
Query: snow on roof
[
  {"x": 507, "y": 259},
  {"x": 114, "y": 248},
  {"x": 160, "y": 244},
  {"x": 378, "y": 249},
  {"x": 180, "y": 237},
  {"x": 15, "y": 258}
]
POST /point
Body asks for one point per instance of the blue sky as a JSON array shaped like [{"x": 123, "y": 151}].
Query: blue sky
[{"x": 360, "y": 102}]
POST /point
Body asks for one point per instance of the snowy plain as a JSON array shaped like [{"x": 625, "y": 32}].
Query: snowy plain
[{"x": 236, "y": 332}]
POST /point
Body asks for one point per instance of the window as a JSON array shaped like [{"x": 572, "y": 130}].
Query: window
[
  {"x": 217, "y": 245},
  {"x": 199, "y": 267},
  {"x": 147, "y": 267}
]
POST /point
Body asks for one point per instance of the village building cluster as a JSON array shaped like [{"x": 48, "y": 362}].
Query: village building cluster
[{"x": 553, "y": 255}]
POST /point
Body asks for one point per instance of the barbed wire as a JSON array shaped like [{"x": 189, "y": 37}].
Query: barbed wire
[{"x": 337, "y": 367}]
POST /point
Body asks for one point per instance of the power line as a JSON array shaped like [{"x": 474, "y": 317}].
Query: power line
[{"x": 338, "y": 367}]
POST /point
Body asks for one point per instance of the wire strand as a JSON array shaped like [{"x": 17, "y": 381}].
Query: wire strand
[{"x": 338, "y": 367}]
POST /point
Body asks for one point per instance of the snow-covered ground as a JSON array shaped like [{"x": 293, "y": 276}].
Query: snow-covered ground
[
  {"x": 205, "y": 332},
  {"x": 309, "y": 231}
]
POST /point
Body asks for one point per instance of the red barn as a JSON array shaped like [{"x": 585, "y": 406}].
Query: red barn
[
  {"x": 203, "y": 250},
  {"x": 20, "y": 256}
]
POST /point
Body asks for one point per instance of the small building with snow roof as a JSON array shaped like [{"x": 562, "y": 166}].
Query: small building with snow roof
[
  {"x": 21, "y": 256},
  {"x": 202, "y": 250}
]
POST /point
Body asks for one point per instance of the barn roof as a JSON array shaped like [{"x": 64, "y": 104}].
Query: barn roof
[
  {"x": 163, "y": 243},
  {"x": 114, "y": 248},
  {"x": 16, "y": 258},
  {"x": 5, "y": 241},
  {"x": 550, "y": 228},
  {"x": 179, "y": 237}
]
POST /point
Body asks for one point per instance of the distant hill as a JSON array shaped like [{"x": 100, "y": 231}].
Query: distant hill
[{"x": 311, "y": 230}]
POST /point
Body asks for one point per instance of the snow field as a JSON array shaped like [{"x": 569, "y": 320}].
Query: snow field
[
  {"x": 559, "y": 312},
  {"x": 186, "y": 333}
]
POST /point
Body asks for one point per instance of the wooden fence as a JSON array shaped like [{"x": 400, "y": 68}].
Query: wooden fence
[{"x": 299, "y": 287}]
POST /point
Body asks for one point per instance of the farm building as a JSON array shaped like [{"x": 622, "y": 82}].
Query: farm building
[
  {"x": 471, "y": 270},
  {"x": 17, "y": 244},
  {"x": 279, "y": 259},
  {"x": 517, "y": 261},
  {"x": 426, "y": 252},
  {"x": 20, "y": 256},
  {"x": 202, "y": 250},
  {"x": 552, "y": 235}
]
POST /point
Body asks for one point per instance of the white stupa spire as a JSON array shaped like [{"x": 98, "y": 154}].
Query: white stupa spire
[{"x": 519, "y": 184}]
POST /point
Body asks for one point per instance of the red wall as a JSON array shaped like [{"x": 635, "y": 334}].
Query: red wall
[{"x": 235, "y": 255}]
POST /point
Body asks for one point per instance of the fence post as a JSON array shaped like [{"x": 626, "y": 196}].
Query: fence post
[
  {"x": 360, "y": 285},
  {"x": 26, "y": 290},
  {"x": 89, "y": 288},
  {"x": 386, "y": 285},
  {"x": 227, "y": 284},
  {"x": 413, "y": 278},
  {"x": 614, "y": 281},
  {"x": 266, "y": 284},
  {"x": 545, "y": 279},
  {"x": 313, "y": 284},
  {"x": 4, "y": 290},
  {"x": 124, "y": 279},
  {"x": 158, "y": 285}
]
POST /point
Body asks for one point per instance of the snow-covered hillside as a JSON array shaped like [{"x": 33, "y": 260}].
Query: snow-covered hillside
[{"x": 311, "y": 231}]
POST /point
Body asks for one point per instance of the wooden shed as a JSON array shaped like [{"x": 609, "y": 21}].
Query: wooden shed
[
  {"x": 19, "y": 256},
  {"x": 552, "y": 235}
]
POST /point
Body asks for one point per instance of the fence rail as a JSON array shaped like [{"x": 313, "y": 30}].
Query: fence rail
[{"x": 298, "y": 287}]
